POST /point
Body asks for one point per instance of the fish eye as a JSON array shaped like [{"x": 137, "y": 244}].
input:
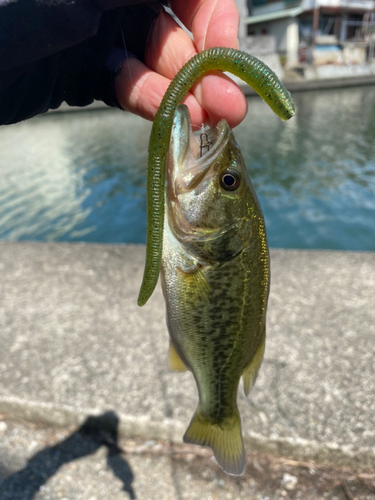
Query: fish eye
[{"x": 229, "y": 180}]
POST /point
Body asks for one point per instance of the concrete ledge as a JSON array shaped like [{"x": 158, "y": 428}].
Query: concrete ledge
[
  {"x": 320, "y": 84},
  {"x": 75, "y": 344}
]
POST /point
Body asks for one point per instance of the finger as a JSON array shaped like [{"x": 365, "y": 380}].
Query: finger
[
  {"x": 221, "y": 98},
  {"x": 140, "y": 91},
  {"x": 214, "y": 23},
  {"x": 169, "y": 48}
]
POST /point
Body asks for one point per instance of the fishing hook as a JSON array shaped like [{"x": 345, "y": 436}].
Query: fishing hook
[{"x": 205, "y": 143}]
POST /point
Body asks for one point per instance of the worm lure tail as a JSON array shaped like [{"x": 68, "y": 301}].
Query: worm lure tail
[{"x": 256, "y": 74}]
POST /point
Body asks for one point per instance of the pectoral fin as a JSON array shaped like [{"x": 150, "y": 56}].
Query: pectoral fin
[
  {"x": 175, "y": 362},
  {"x": 197, "y": 282},
  {"x": 250, "y": 373}
]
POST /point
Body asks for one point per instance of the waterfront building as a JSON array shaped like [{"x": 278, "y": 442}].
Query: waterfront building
[{"x": 340, "y": 32}]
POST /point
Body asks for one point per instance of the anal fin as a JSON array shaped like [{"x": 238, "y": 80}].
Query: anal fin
[
  {"x": 250, "y": 373},
  {"x": 175, "y": 362}
]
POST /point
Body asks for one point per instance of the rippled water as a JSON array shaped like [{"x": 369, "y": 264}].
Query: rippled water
[{"x": 81, "y": 176}]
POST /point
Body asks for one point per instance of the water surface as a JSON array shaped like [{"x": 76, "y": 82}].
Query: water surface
[{"x": 81, "y": 176}]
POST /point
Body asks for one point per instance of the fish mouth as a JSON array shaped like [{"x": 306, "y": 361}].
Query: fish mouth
[
  {"x": 190, "y": 157},
  {"x": 189, "y": 167}
]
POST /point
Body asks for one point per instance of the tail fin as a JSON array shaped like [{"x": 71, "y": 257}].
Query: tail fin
[{"x": 225, "y": 440}]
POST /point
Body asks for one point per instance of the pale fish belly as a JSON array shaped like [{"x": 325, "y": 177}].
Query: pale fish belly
[{"x": 216, "y": 321}]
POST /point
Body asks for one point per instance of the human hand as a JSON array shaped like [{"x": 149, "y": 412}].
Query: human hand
[{"x": 140, "y": 87}]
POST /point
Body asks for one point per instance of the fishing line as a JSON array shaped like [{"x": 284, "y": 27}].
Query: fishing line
[{"x": 127, "y": 58}]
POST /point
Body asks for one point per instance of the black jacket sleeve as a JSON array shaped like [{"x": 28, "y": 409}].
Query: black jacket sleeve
[{"x": 54, "y": 51}]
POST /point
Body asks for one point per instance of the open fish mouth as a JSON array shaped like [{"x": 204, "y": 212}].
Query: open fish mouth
[
  {"x": 191, "y": 156},
  {"x": 200, "y": 214}
]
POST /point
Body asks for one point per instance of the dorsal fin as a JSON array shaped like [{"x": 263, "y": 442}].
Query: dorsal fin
[{"x": 250, "y": 373}]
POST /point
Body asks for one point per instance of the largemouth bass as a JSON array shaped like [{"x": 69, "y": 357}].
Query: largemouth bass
[{"x": 215, "y": 279}]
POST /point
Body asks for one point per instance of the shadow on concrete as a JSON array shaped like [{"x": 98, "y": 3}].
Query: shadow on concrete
[{"x": 94, "y": 433}]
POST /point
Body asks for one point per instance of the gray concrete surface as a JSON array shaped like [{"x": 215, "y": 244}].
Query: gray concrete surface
[
  {"x": 92, "y": 463},
  {"x": 74, "y": 344}
]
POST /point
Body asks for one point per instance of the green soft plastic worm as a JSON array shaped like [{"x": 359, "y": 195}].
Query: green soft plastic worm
[{"x": 256, "y": 74}]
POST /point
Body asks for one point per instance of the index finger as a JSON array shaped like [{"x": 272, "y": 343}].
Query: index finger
[{"x": 214, "y": 23}]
